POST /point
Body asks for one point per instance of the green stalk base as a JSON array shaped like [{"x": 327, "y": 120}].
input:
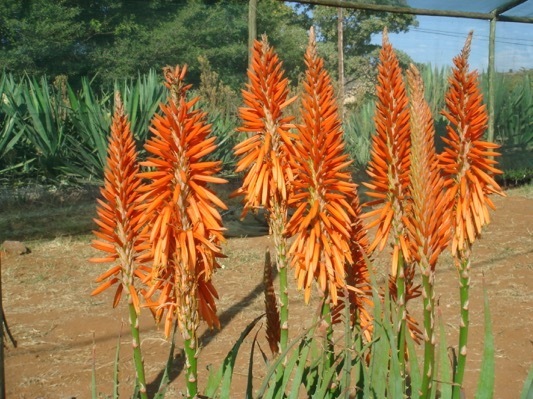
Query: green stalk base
[
  {"x": 402, "y": 313},
  {"x": 464, "y": 281},
  {"x": 429, "y": 333},
  {"x": 137, "y": 355},
  {"x": 191, "y": 365}
]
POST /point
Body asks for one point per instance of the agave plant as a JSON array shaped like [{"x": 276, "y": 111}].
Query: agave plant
[
  {"x": 141, "y": 98},
  {"x": 88, "y": 146},
  {"x": 513, "y": 109},
  {"x": 45, "y": 126},
  {"x": 11, "y": 123},
  {"x": 359, "y": 127}
]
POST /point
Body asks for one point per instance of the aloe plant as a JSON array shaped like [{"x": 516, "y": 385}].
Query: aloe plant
[
  {"x": 88, "y": 145},
  {"x": 142, "y": 97},
  {"x": 45, "y": 127},
  {"x": 358, "y": 130},
  {"x": 513, "y": 106},
  {"x": 11, "y": 128},
  {"x": 14, "y": 151},
  {"x": 223, "y": 128}
]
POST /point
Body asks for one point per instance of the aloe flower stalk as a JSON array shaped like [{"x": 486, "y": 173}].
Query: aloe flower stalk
[
  {"x": 389, "y": 185},
  {"x": 185, "y": 227},
  {"x": 120, "y": 233},
  {"x": 428, "y": 221},
  {"x": 468, "y": 169},
  {"x": 273, "y": 328},
  {"x": 323, "y": 190},
  {"x": 265, "y": 155},
  {"x": 358, "y": 292}
]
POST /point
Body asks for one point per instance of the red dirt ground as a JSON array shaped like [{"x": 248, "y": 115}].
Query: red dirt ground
[{"x": 62, "y": 332}]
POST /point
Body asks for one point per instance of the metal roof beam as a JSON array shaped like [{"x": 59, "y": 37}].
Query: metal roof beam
[
  {"x": 512, "y": 18},
  {"x": 507, "y": 6},
  {"x": 398, "y": 10},
  {"x": 426, "y": 11}
]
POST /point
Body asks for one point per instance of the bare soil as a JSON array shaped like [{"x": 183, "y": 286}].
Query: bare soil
[{"x": 62, "y": 333}]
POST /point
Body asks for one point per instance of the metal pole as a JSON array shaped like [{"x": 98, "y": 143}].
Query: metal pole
[{"x": 422, "y": 11}]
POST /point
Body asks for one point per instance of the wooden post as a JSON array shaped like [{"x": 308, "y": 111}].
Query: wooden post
[
  {"x": 2, "y": 368},
  {"x": 340, "y": 46},
  {"x": 4, "y": 332},
  {"x": 252, "y": 27},
  {"x": 491, "y": 76}
]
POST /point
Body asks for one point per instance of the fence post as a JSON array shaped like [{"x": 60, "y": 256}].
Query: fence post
[{"x": 2, "y": 371}]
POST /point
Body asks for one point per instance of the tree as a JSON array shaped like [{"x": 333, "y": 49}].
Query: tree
[
  {"x": 117, "y": 39},
  {"x": 360, "y": 55},
  {"x": 216, "y": 30},
  {"x": 39, "y": 37}
]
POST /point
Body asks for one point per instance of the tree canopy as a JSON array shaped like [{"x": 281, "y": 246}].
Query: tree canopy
[{"x": 117, "y": 39}]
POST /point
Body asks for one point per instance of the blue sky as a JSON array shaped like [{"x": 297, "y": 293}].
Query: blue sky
[{"x": 438, "y": 39}]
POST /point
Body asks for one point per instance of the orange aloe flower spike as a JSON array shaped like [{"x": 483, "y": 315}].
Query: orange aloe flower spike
[
  {"x": 120, "y": 229},
  {"x": 359, "y": 289},
  {"x": 428, "y": 219},
  {"x": 323, "y": 189},
  {"x": 185, "y": 227},
  {"x": 122, "y": 235},
  {"x": 389, "y": 165},
  {"x": 389, "y": 184},
  {"x": 466, "y": 162},
  {"x": 469, "y": 175},
  {"x": 265, "y": 154}
]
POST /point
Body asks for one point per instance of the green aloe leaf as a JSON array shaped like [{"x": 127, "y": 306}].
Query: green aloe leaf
[
  {"x": 527, "y": 391},
  {"x": 414, "y": 369},
  {"x": 250, "y": 379},
  {"x": 222, "y": 378},
  {"x": 303, "y": 341},
  {"x": 165, "y": 379}
]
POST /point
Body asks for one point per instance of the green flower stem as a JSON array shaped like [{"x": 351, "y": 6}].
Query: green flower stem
[
  {"x": 191, "y": 363},
  {"x": 284, "y": 309},
  {"x": 326, "y": 317},
  {"x": 464, "y": 288},
  {"x": 402, "y": 312},
  {"x": 137, "y": 355},
  {"x": 279, "y": 215},
  {"x": 428, "y": 281},
  {"x": 278, "y": 219},
  {"x": 349, "y": 345}
]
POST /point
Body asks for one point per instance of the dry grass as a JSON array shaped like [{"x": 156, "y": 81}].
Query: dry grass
[
  {"x": 525, "y": 191},
  {"x": 40, "y": 212}
]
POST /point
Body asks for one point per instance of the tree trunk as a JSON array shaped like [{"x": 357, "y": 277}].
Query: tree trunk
[
  {"x": 340, "y": 49},
  {"x": 252, "y": 27}
]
